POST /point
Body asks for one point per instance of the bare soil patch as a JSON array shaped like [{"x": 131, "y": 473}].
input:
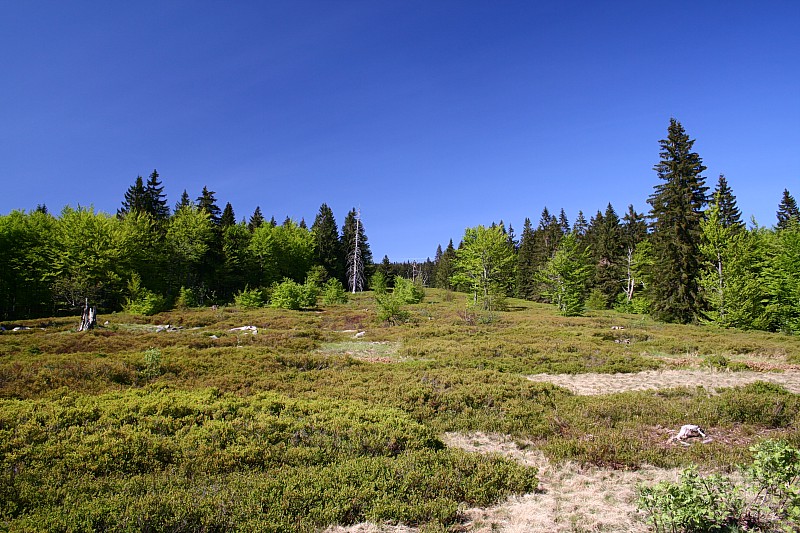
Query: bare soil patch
[{"x": 593, "y": 384}]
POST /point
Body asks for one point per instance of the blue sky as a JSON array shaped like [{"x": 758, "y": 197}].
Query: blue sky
[{"x": 430, "y": 116}]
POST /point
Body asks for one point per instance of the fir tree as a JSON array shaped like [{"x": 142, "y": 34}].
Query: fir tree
[
  {"x": 228, "y": 218},
  {"x": 580, "y": 226},
  {"x": 788, "y": 214},
  {"x": 273, "y": 222},
  {"x": 607, "y": 254},
  {"x": 676, "y": 213},
  {"x": 207, "y": 202},
  {"x": 155, "y": 199},
  {"x": 563, "y": 221},
  {"x": 729, "y": 214},
  {"x": 329, "y": 249},
  {"x": 135, "y": 199},
  {"x": 256, "y": 220}
]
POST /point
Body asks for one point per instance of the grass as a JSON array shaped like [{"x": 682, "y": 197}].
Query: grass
[{"x": 215, "y": 391}]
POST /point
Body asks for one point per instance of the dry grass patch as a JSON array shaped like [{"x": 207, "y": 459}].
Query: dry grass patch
[
  {"x": 594, "y": 384},
  {"x": 571, "y": 497}
]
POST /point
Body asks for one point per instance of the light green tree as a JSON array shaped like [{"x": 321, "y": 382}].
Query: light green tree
[
  {"x": 189, "y": 236},
  {"x": 485, "y": 265},
  {"x": 565, "y": 276}
]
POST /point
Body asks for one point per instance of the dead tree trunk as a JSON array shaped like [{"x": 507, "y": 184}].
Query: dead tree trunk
[{"x": 88, "y": 317}]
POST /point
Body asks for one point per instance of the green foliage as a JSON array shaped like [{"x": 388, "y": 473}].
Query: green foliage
[
  {"x": 565, "y": 275},
  {"x": 333, "y": 292},
  {"x": 141, "y": 300},
  {"x": 378, "y": 283},
  {"x": 152, "y": 364},
  {"x": 408, "y": 291},
  {"x": 186, "y": 299},
  {"x": 291, "y": 295},
  {"x": 485, "y": 265},
  {"x": 390, "y": 308},
  {"x": 769, "y": 502},
  {"x": 249, "y": 298},
  {"x": 677, "y": 210}
]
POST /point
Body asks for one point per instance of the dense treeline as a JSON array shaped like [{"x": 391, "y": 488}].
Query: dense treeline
[
  {"x": 149, "y": 257},
  {"x": 690, "y": 259}
]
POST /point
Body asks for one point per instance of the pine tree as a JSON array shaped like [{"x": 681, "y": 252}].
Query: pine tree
[
  {"x": 729, "y": 214},
  {"x": 228, "y": 218},
  {"x": 256, "y": 220},
  {"x": 135, "y": 199},
  {"x": 526, "y": 263},
  {"x": 676, "y": 213},
  {"x": 607, "y": 254},
  {"x": 183, "y": 202},
  {"x": 329, "y": 249},
  {"x": 788, "y": 213},
  {"x": 208, "y": 203},
  {"x": 563, "y": 221},
  {"x": 155, "y": 199}
]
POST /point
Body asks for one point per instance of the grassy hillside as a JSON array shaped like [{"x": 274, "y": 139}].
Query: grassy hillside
[{"x": 139, "y": 426}]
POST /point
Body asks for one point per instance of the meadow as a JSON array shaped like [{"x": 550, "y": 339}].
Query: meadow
[{"x": 329, "y": 418}]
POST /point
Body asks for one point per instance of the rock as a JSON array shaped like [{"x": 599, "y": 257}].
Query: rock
[
  {"x": 246, "y": 329},
  {"x": 359, "y": 334}
]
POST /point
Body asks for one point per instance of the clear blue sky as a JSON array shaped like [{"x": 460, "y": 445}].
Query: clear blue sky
[{"x": 430, "y": 116}]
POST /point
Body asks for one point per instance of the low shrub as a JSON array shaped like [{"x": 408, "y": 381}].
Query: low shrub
[
  {"x": 333, "y": 292},
  {"x": 249, "y": 298},
  {"x": 407, "y": 291}
]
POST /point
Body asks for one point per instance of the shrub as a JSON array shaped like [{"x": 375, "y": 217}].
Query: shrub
[
  {"x": 333, "y": 292},
  {"x": 142, "y": 301},
  {"x": 769, "y": 501},
  {"x": 378, "y": 283},
  {"x": 249, "y": 298},
  {"x": 407, "y": 291},
  {"x": 152, "y": 364},
  {"x": 291, "y": 295},
  {"x": 390, "y": 308},
  {"x": 186, "y": 299}
]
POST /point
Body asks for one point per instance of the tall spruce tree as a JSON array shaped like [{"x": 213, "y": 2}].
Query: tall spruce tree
[
  {"x": 155, "y": 199},
  {"x": 256, "y": 220},
  {"x": 445, "y": 267},
  {"x": 729, "y": 214},
  {"x": 183, "y": 202},
  {"x": 788, "y": 213},
  {"x": 527, "y": 266},
  {"x": 228, "y": 218},
  {"x": 329, "y": 248},
  {"x": 135, "y": 199},
  {"x": 607, "y": 253},
  {"x": 676, "y": 213},
  {"x": 580, "y": 226},
  {"x": 207, "y": 202}
]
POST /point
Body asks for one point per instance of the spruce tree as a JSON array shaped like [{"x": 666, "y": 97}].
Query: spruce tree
[
  {"x": 563, "y": 221},
  {"x": 135, "y": 199},
  {"x": 207, "y": 202},
  {"x": 729, "y": 214},
  {"x": 155, "y": 199},
  {"x": 445, "y": 267},
  {"x": 228, "y": 218},
  {"x": 580, "y": 226},
  {"x": 607, "y": 254},
  {"x": 183, "y": 202},
  {"x": 676, "y": 213},
  {"x": 256, "y": 220},
  {"x": 526, "y": 263},
  {"x": 329, "y": 249},
  {"x": 788, "y": 213}
]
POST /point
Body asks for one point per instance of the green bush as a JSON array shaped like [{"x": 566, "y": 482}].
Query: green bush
[
  {"x": 333, "y": 292},
  {"x": 390, "y": 308},
  {"x": 378, "y": 283},
  {"x": 249, "y": 298},
  {"x": 152, "y": 364},
  {"x": 186, "y": 299},
  {"x": 407, "y": 291},
  {"x": 142, "y": 301},
  {"x": 769, "y": 500},
  {"x": 291, "y": 295}
]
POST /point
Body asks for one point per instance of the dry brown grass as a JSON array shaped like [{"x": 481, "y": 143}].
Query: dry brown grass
[
  {"x": 571, "y": 497},
  {"x": 592, "y": 384}
]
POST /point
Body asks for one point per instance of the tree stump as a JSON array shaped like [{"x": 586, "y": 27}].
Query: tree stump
[{"x": 88, "y": 317}]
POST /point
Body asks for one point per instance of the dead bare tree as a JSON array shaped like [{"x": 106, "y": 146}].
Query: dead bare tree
[{"x": 355, "y": 262}]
